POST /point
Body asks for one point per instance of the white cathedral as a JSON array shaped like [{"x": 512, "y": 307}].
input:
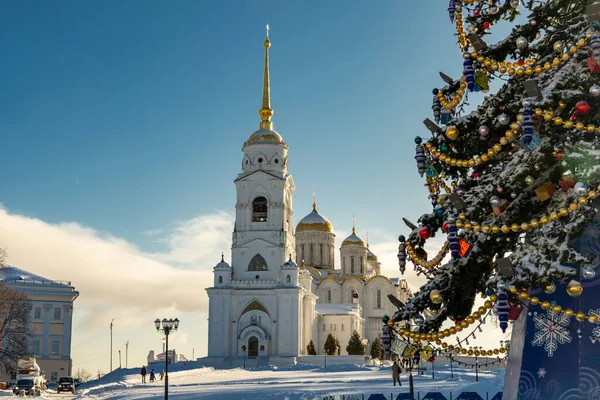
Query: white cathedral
[{"x": 282, "y": 289}]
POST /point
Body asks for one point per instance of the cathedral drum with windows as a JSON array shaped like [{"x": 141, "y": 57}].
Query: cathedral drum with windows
[{"x": 264, "y": 307}]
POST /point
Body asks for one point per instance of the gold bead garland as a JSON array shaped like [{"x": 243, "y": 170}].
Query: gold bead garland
[
  {"x": 545, "y": 305},
  {"x": 454, "y": 329},
  {"x": 527, "y": 226},
  {"x": 456, "y": 99},
  {"x": 431, "y": 264}
]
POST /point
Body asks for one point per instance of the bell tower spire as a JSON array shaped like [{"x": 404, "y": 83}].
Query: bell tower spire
[{"x": 266, "y": 112}]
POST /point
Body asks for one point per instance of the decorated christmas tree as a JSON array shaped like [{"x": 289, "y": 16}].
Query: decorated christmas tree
[{"x": 510, "y": 182}]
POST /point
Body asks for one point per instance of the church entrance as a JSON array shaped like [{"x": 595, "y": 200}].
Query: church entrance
[{"x": 253, "y": 347}]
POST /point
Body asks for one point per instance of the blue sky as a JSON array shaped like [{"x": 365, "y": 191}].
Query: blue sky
[{"x": 120, "y": 118}]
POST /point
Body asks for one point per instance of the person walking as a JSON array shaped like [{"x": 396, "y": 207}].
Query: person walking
[
  {"x": 162, "y": 374},
  {"x": 143, "y": 373},
  {"x": 396, "y": 370},
  {"x": 152, "y": 376}
]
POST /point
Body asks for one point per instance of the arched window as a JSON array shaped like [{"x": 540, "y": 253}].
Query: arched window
[
  {"x": 361, "y": 266},
  {"x": 329, "y": 296},
  {"x": 312, "y": 256},
  {"x": 352, "y": 264},
  {"x": 378, "y": 298},
  {"x": 220, "y": 279},
  {"x": 257, "y": 263},
  {"x": 288, "y": 279},
  {"x": 259, "y": 209},
  {"x": 321, "y": 254}
]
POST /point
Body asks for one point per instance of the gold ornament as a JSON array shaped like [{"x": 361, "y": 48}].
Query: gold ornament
[
  {"x": 452, "y": 132},
  {"x": 574, "y": 289}
]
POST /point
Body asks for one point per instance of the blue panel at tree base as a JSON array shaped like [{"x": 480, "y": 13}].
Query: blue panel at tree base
[
  {"x": 434, "y": 396},
  {"x": 469, "y": 396},
  {"x": 405, "y": 396},
  {"x": 548, "y": 355},
  {"x": 498, "y": 396},
  {"x": 377, "y": 397}
]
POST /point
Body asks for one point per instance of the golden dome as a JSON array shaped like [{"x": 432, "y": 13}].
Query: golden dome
[
  {"x": 314, "y": 222},
  {"x": 353, "y": 240},
  {"x": 371, "y": 256},
  {"x": 265, "y": 135}
]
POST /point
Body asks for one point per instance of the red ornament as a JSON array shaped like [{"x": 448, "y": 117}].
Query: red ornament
[
  {"x": 457, "y": 322},
  {"x": 593, "y": 65},
  {"x": 486, "y": 25},
  {"x": 559, "y": 155},
  {"x": 477, "y": 13},
  {"x": 582, "y": 108},
  {"x": 445, "y": 226},
  {"x": 514, "y": 312},
  {"x": 425, "y": 233},
  {"x": 475, "y": 175},
  {"x": 521, "y": 62}
]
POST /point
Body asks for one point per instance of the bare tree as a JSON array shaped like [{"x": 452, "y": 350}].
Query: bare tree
[
  {"x": 83, "y": 374},
  {"x": 14, "y": 317},
  {"x": 3, "y": 257}
]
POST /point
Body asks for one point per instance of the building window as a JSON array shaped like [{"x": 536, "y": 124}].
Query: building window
[
  {"x": 361, "y": 266},
  {"x": 302, "y": 253},
  {"x": 352, "y": 264},
  {"x": 321, "y": 253},
  {"x": 378, "y": 298},
  {"x": 334, "y": 326},
  {"x": 257, "y": 263},
  {"x": 342, "y": 327},
  {"x": 288, "y": 279},
  {"x": 35, "y": 346},
  {"x": 312, "y": 256},
  {"x": 55, "y": 347},
  {"x": 37, "y": 313},
  {"x": 259, "y": 209},
  {"x": 329, "y": 296},
  {"x": 220, "y": 279},
  {"x": 56, "y": 313},
  {"x": 323, "y": 327},
  {"x": 53, "y": 376}
]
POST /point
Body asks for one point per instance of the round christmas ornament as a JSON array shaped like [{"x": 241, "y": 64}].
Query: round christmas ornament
[
  {"x": 418, "y": 140},
  {"x": 500, "y": 189},
  {"x": 439, "y": 211},
  {"x": 436, "y": 296},
  {"x": 529, "y": 180},
  {"x": 444, "y": 148},
  {"x": 503, "y": 119},
  {"x": 514, "y": 195},
  {"x": 574, "y": 289},
  {"x": 580, "y": 188},
  {"x": 495, "y": 201},
  {"x": 582, "y": 109},
  {"x": 418, "y": 320},
  {"x": 501, "y": 285},
  {"x": 533, "y": 22},
  {"x": 483, "y": 131},
  {"x": 588, "y": 272},
  {"x": 514, "y": 3},
  {"x": 522, "y": 43},
  {"x": 558, "y": 46},
  {"x": 425, "y": 233},
  {"x": 550, "y": 288},
  {"x": 452, "y": 132},
  {"x": 461, "y": 190},
  {"x": 445, "y": 226},
  {"x": 595, "y": 90},
  {"x": 486, "y": 25}
]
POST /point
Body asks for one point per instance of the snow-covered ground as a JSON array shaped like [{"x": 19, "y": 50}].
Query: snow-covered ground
[{"x": 291, "y": 383}]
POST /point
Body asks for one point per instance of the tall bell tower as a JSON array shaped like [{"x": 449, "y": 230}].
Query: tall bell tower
[{"x": 263, "y": 237}]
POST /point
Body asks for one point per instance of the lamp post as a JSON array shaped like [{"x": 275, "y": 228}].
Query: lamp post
[
  {"x": 325, "y": 352},
  {"x": 451, "y": 370},
  {"x": 476, "y": 351},
  {"x": 244, "y": 351},
  {"x": 166, "y": 326}
]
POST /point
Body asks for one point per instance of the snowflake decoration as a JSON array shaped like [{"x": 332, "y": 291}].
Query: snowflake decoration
[
  {"x": 551, "y": 330},
  {"x": 542, "y": 372},
  {"x": 596, "y": 332}
]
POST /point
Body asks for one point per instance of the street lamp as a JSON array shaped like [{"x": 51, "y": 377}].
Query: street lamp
[
  {"x": 476, "y": 351},
  {"x": 166, "y": 326},
  {"x": 244, "y": 351}
]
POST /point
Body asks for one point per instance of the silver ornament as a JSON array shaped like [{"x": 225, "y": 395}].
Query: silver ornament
[
  {"x": 580, "y": 188},
  {"x": 522, "y": 43},
  {"x": 501, "y": 285},
  {"x": 495, "y": 201},
  {"x": 484, "y": 131},
  {"x": 558, "y": 46},
  {"x": 529, "y": 180},
  {"x": 503, "y": 119},
  {"x": 514, "y": 3},
  {"x": 493, "y": 10},
  {"x": 418, "y": 320},
  {"x": 595, "y": 90},
  {"x": 527, "y": 103},
  {"x": 514, "y": 195},
  {"x": 588, "y": 272}
]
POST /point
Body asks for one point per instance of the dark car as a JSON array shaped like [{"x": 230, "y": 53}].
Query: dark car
[
  {"x": 66, "y": 384},
  {"x": 27, "y": 386},
  {"x": 78, "y": 382}
]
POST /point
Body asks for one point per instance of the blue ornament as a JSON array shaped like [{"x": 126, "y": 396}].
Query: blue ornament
[
  {"x": 452, "y": 10},
  {"x": 439, "y": 211},
  {"x": 489, "y": 292},
  {"x": 420, "y": 158},
  {"x": 418, "y": 140},
  {"x": 446, "y": 116},
  {"x": 530, "y": 140},
  {"x": 469, "y": 74},
  {"x": 502, "y": 308},
  {"x": 595, "y": 45},
  {"x": 453, "y": 239}
]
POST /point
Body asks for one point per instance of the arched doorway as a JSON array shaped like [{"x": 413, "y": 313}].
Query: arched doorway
[{"x": 253, "y": 347}]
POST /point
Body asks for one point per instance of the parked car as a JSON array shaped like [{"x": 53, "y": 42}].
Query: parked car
[
  {"x": 28, "y": 386},
  {"x": 78, "y": 382},
  {"x": 66, "y": 384}
]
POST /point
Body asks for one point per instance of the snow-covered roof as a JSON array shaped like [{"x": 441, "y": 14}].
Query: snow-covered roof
[
  {"x": 337, "y": 309},
  {"x": 10, "y": 274},
  {"x": 314, "y": 222}
]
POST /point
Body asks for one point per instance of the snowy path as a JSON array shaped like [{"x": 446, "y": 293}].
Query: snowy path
[{"x": 293, "y": 383}]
